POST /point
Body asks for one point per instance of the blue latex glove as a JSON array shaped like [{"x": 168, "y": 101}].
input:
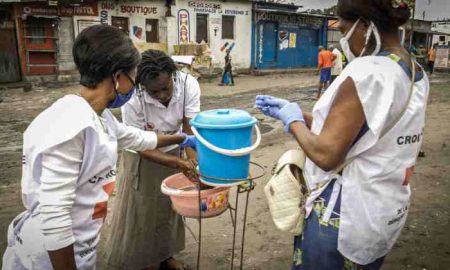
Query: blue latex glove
[
  {"x": 281, "y": 109},
  {"x": 290, "y": 113},
  {"x": 269, "y": 105},
  {"x": 189, "y": 141}
]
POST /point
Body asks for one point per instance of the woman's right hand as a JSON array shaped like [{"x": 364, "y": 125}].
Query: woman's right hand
[
  {"x": 287, "y": 112},
  {"x": 269, "y": 105},
  {"x": 189, "y": 168}
]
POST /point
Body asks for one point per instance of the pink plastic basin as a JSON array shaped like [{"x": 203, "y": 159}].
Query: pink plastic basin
[{"x": 184, "y": 196}]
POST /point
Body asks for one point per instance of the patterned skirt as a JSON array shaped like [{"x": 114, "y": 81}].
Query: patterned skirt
[{"x": 316, "y": 248}]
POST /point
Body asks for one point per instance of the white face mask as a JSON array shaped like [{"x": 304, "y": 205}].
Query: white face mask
[{"x": 346, "y": 46}]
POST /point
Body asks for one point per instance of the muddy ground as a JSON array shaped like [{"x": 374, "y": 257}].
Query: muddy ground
[{"x": 424, "y": 243}]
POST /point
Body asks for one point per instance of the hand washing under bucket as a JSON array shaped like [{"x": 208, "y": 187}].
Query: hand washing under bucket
[{"x": 224, "y": 145}]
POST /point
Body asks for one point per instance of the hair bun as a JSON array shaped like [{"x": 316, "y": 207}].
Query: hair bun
[
  {"x": 403, "y": 5},
  {"x": 400, "y": 13},
  {"x": 399, "y": 4}
]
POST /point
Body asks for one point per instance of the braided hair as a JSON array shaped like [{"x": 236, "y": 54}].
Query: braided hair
[{"x": 154, "y": 63}]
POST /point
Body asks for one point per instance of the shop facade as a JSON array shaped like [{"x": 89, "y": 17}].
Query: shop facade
[
  {"x": 442, "y": 35},
  {"x": 41, "y": 36},
  {"x": 45, "y": 38},
  {"x": 283, "y": 38},
  {"x": 216, "y": 23},
  {"x": 9, "y": 55},
  {"x": 144, "y": 21}
]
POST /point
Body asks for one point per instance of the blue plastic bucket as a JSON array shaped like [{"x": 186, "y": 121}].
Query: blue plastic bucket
[{"x": 224, "y": 144}]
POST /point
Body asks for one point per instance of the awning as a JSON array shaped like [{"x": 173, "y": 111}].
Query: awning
[
  {"x": 294, "y": 12},
  {"x": 276, "y": 11}
]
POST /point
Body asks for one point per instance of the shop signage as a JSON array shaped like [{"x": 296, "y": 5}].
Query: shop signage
[
  {"x": 86, "y": 9},
  {"x": 138, "y": 9},
  {"x": 443, "y": 27},
  {"x": 442, "y": 57},
  {"x": 83, "y": 24},
  {"x": 205, "y": 7},
  {"x": 290, "y": 19},
  {"x": 104, "y": 17},
  {"x": 235, "y": 12},
  {"x": 214, "y": 8},
  {"x": 131, "y": 9},
  {"x": 39, "y": 9},
  {"x": 183, "y": 26}
]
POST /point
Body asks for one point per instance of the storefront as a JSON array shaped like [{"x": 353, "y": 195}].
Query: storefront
[
  {"x": 144, "y": 21},
  {"x": 9, "y": 57},
  {"x": 284, "y": 38},
  {"x": 45, "y": 37},
  {"x": 216, "y": 23},
  {"x": 442, "y": 62},
  {"x": 442, "y": 32}
]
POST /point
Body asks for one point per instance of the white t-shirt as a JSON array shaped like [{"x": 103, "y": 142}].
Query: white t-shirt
[
  {"x": 375, "y": 186},
  {"x": 69, "y": 168},
  {"x": 142, "y": 111},
  {"x": 337, "y": 63}
]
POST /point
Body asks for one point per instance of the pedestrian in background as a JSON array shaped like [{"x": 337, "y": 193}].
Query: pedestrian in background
[
  {"x": 336, "y": 70},
  {"x": 432, "y": 58},
  {"x": 325, "y": 60},
  {"x": 227, "y": 76}
]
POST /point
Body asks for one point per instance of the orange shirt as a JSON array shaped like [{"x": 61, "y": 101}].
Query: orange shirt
[
  {"x": 326, "y": 59},
  {"x": 432, "y": 55}
]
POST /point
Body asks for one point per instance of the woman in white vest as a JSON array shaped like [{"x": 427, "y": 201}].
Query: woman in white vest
[
  {"x": 371, "y": 119},
  {"x": 151, "y": 231},
  {"x": 69, "y": 158}
]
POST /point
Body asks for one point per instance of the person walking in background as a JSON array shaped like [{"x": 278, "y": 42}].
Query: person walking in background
[
  {"x": 432, "y": 58},
  {"x": 326, "y": 59},
  {"x": 227, "y": 76},
  {"x": 336, "y": 70}
]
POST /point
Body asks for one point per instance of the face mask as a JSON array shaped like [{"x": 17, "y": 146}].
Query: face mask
[
  {"x": 121, "y": 99},
  {"x": 346, "y": 46}
]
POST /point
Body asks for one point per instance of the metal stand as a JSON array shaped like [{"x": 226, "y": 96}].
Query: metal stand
[{"x": 246, "y": 186}]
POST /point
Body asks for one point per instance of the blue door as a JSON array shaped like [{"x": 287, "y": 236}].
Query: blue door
[
  {"x": 267, "y": 34},
  {"x": 309, "y": 47}
]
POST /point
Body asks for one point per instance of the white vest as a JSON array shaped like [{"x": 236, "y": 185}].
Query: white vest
[
  {"x": 375, "y": 186},
  {"x": 144, "y": 112},
  {"x": 72, "y": 114}
]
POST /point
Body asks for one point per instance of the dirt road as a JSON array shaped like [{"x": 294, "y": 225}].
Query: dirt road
[{"x": 424, "y": 243}]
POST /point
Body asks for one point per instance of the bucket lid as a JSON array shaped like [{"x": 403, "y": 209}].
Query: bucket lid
[{"x": 223, "y": 119}]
